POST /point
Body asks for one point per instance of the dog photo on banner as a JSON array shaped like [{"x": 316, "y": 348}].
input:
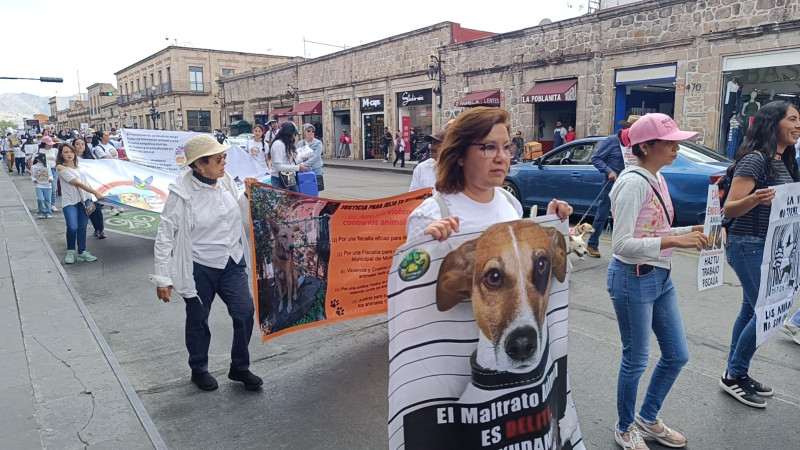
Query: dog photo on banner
[{"x": 478, "y": 341}]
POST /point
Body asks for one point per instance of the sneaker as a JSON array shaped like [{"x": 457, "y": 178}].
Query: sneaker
[
  {"x": 663, "y": 434},
  {"x": 631, "y": 439},
  {"x": 792, "y": 330},
  {"x": 70, "y": 258},
  {"x": 116, "y": 211},
  {"x": 592, "y": 251},
  {"x": 251, "y": 382},
  {"x": 95, "y": 234},
  {"x": 53, "y": 208},
  {"x": 761, "y": 389},
  {"x": 204, "y": 381},
  {"x": 741, "y": 389},
  {"x": 85, "y": 257},
  {"x": 42, "y": 216},
  {"x": 48, "y": 216},
  {"x": 101, "y": 234}
]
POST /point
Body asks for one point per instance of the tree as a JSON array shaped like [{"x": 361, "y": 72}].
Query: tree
[{"x": 6, "y": 124}]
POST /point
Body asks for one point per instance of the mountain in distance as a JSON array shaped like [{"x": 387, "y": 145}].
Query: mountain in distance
[{"x": 17, "y": 106}]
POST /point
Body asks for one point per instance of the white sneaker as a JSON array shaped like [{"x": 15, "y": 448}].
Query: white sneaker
[
  {"x": 53, "y": 208},
  {"x": 631, "y": 439},
  {"x": 792, "y": 330}
]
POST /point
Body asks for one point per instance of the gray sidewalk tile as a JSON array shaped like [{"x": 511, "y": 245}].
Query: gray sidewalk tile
[{"x": 14, "y": 370}]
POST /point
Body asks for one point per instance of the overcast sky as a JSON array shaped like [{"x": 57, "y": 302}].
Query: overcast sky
[{"x": 93, "y": 38}]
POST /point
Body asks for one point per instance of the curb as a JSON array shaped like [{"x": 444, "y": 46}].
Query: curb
[
  {"x": 125, "y": 383},
  {"x": 376, "y": 168}
]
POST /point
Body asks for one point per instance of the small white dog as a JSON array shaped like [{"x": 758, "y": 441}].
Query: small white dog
[{"x": 577, "y": 239}]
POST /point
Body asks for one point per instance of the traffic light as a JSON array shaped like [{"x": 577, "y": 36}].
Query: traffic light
[{"x": 106, "y": 94}]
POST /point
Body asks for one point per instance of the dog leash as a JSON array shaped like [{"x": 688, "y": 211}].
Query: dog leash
[{"x": 593, "y": 203}]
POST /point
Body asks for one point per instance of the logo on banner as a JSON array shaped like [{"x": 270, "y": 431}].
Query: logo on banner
[
  {"x": 414, "y": 265},
  {"x": 136, "y": 193}
]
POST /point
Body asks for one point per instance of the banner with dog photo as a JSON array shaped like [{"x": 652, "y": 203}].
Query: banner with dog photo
[
  {"x": 780, "y": 266},
  {"x": 478, "y": 341},
  {"x": 318, "y": 261}
]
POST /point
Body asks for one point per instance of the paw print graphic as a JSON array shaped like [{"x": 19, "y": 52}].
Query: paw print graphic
[
  {"x": 334, "y": 303},
  {"x": 339, "y": 311}
]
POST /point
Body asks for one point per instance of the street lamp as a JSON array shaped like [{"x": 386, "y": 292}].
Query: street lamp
[
  {"x": 153, "y": 114},
  {"x": 435, "y": 72},
  {"x": 42, "y": 79}
]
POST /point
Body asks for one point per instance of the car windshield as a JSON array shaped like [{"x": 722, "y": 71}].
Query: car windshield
[{"x": 699, "y": 154}]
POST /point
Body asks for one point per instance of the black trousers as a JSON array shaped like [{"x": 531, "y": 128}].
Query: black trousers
[{"x": 398, "y": 156}]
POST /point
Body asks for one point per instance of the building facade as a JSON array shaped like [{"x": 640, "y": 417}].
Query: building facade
[
  {"x": 177, "y": 86},
  {"x": 361, "y": 90}
]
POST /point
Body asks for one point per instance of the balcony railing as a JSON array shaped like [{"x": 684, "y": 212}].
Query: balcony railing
[{"x": 175, "y": 87}]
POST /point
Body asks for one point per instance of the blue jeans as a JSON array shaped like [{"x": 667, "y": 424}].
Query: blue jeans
[
  {"x": 796, "y": 318},
  {"x": 232, "y": 286},
  {"x": 54, "y": 185},
  {"x": 744, "y": 256},
  {"x": 645, "y": 303},
  {"x": 97, "y": 218},
  {"x": 43, "y": 199},
  {"x": 603, "y": 210},
  {"x": 76, "y": 219},
  {"x": 275, "y": 180}
]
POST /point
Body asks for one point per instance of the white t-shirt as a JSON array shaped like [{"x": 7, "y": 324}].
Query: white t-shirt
[
  {"x": 280, "y": 163},
  {"x": 257, "y": 152},
  {"x": 30, "y": 150},
  {"x": 104, "y": 151},
  {"x": 70, "y": 194},
  {"x": 424, "y": 175},
  {"x": 471, "y": 214},
  {"x": 41, "y": 176}
]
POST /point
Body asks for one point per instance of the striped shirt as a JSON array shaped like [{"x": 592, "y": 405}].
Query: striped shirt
[{"x": 756, "y": 221}]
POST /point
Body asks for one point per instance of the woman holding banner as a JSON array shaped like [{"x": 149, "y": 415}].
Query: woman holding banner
[
  {"x": 639, "y": 280},
  {"x": 766, "y": 158},
  {"x": 472, "y": 164},
  {"x": 200, "y": 251},
  {"x": 285, "y": 165},
  {"x": 97, "y": 219}
]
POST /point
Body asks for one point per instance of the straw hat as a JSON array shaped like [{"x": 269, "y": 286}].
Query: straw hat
[
  {"x": 199, "y": 146},
  {"x": 627, "y": 123}
]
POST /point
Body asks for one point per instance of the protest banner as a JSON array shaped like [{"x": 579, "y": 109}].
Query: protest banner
[
  {"x": 710, "y": 265},
  {"x": 780, "y": 265},
  {"x": 478, "y": 340},
  {"x": 128, "y": 184},
  {"x": 318, "y": 261},
  {"x": 627, "y": 155}
]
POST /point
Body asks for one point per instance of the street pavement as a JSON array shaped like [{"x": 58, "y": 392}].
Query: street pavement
[{"x": 326, "y": 387}]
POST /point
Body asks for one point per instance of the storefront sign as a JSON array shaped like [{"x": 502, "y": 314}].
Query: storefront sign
[
  {"x": 412, "y": 98},
  {"x": 552, "y": 91},
  {"x": 260, "y": 112},
  {"x": 372, "y": 103},
  {"x": 235, "y": 113},
  {"x": 340, "y": 105}
]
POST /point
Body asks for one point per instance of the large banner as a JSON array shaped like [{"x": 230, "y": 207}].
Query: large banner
[
  {"x": 128, "y": 184},
  {"x": 710, "y": 265},
  {"x": 780, "y": 265},
  {"x": 478, "y": 341},
  {"x": 318, "y": 261}
]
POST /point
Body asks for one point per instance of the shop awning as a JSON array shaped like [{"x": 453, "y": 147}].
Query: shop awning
[
  {"x": 281, "y": 112},
  {"x": 307, "y": 108},
  {"x": 552, "y": 91},
  {"x": 484, "y": 98}
]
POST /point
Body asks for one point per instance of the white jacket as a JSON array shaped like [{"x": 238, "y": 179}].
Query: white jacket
[{"x": 173, "y": 247}]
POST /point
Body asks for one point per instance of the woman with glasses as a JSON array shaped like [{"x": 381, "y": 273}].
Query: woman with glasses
[
  {"x": 309, "y": 150},
  {"x": 473, "y": 162}
]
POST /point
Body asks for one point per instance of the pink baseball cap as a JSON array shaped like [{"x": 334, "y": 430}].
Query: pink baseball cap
[
  {"x": 658, "y": 126},
  {"x": 47, "y": 140}
]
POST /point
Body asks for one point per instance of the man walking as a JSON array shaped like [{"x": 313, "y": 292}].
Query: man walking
[
  {"x": 558, "y": 135},
  {"x": 425, "y": 173},
  {"x": 608, "y": 160},
  {"x": 386, "y": 141}
]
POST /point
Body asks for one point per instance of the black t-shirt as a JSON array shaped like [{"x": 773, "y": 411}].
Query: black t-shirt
[
  {"x": 387, "y": 139},
  {"x": 756, "y": 221}
]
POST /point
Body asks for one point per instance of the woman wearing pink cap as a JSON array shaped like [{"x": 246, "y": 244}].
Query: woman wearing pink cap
[{"x": 639, "y": 280}]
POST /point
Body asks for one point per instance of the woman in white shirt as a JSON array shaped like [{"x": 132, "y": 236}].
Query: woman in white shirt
[
  {"x": 75, "y": 194},
  {"x": 50, "y": 154},
  {"x": 257, "y": 148},
  {"x": 399, "y": 150},
  {"x": 284, "y": 157},
  {"x": 102, "y": 147},
  {"x": 200, "y": 251}
]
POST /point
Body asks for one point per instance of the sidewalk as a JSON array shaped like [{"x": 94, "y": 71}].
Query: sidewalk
[
  {"x": 373, "y": 165},
  {"x": 60, "y": 385}
]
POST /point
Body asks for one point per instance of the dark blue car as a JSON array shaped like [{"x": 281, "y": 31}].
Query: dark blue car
[{"x": 567, "y": 173}]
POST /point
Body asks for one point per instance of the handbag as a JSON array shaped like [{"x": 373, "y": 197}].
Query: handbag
[
  {"x": 88, "y": 207},
  {"x": 288, "y": 179},
  {"x": 320, "y": 183}
]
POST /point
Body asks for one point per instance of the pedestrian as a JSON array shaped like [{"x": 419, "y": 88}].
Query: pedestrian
[
  {"x": 424, "y": 175},
  {"x": 96, "y": 217},
  {"x": 28, "y": 150},
  {"x": 412, "y": 144},
  {"x": 342, "y": 144},
  {"x": 42, "y": 177},
  {"x": 520, "y": 143},
  {"x": 75, "y": 202},
  {"x": 285, "y": 165},
  {"x": 471, "y": 165},
  {"x": 348, "y": 141},
  {"x": 791, "y": 326},
  {"x": 559, "y": 134},
  {"x": 257, "y": 148},
  {"x": 102, "y": 147},
  {"x": 766, "y": 158},
  {"x": 386, "y": 141},
  {"x": 399, "y": 150},
  {"x": 273, "y": 126},
  {"x": 609, "y": 161},
  {"x": 309, "y": 151},
  {"x": 200, "y": 251},
  {"x": 49, "y": 151},
  {"x": 8, "y": 151},
  {"x": 570, "y": 136},
  {"x": 639, "y": 280},
  {"x": 220, "y": 136}
]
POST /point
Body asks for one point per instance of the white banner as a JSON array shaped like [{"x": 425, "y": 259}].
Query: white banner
[
  {"x": 710, "y": 265},
  {"x": 627, "y": 155},
  {"x": 780, "y": 265},
  {"x": 478, "y": 341},
  {"x": 127, "y": 184}
]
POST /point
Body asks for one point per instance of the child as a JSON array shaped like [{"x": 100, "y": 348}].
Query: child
[
  {"x": 20, "y": 159},
  {"x": 43, "y": 178}
]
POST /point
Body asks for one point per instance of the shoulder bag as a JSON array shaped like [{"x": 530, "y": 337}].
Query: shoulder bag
[{"x": 89, "y": 207}]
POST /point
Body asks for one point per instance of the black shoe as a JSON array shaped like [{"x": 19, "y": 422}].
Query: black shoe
[
  {"x": 761, "y": 389},
  {"x": 742, "y": 389},
  {"x": 251, "y": 382},
  {"x": 204, "y": 381}
]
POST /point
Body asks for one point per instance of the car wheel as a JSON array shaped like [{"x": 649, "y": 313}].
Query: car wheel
[{"x": 511, "y": 188}]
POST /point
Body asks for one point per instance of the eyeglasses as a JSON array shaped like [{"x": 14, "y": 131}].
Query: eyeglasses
[
  {"x": 219, "y": 158},
  {"x": 309, "y": 129},
  {"x": 490, "y": 150}
]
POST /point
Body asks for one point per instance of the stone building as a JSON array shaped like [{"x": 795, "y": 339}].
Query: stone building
[
  {"x": 362, "y": 89},
  {"x": 179, "y": 83},
  {"x": 707, "y": 63},
  {"x": 102, "y": 106}
]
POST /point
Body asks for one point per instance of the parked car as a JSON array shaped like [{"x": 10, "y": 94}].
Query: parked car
[
  {"x": 240, "y": 140},
  {"x": 567, "y": 173}
]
